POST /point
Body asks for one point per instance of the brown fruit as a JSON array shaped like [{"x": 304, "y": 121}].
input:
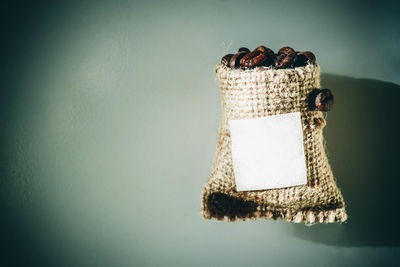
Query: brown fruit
[
  {"x": 244, "y": 49},
  {"x": 259, "y": 56},
  {"x": 309, "y": 55},
  {"x": 270, "y": 60},
  {"x": 235, "y": 59},
  {"x": 286, "y": 50},
  {"x": 301, "y": 60},
  {"x": 284, "y": 61},
  {"x": 278, "y": 59},
  {"x": 225, "y": 59},
  {"x": 324, "y": 100}
]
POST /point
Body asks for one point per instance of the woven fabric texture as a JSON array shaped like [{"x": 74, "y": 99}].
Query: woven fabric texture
[{"x": 258, "y": 93}]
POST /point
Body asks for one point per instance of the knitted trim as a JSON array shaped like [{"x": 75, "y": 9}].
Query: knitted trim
[{"x": 225, "y": 208}]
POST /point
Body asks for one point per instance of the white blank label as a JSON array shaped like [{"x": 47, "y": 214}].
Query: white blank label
[{"x": 268, "y": 152}]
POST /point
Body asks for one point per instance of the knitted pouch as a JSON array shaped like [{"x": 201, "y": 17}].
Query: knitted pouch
[{"x": 252, "y": 94}]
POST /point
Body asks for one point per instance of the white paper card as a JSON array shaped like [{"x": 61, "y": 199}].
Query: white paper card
[{"x": 268, "y": 152}]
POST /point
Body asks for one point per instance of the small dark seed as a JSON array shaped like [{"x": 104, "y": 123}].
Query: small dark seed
[
  {"x": 278, "y": 60},
  {"x": 286, "y": 61},
  {"x": 286, "y": 50},
  {"x": 235, "y": 60},
  {"x": 270, "y": 60},
  {"x": 301, "y": 60},
  {"x": 309, "y": 55},
  {"x": 225, "y": 59},
  {"x": 262, "y": 49},
  {"x": 324, "y": 100},
  {"x": 244, "y": 49}
]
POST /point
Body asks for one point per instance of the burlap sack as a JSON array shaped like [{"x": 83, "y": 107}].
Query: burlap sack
[{"x": 254, "y": 94}]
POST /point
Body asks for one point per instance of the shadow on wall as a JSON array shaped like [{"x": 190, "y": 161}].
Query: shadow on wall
[{"x": 362, "y": 136}]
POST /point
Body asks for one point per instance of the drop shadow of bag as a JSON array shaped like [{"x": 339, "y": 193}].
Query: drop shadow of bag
[{"x": 363, "y": 145}]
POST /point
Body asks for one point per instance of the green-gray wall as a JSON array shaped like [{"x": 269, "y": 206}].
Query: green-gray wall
[{"x": 109, "y": 114}]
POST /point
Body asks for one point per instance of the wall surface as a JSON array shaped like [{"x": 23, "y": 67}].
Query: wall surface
[{"x": 109, "y": 113}]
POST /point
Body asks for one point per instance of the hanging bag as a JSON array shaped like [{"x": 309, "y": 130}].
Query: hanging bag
[{"x": 270, "y": 160}]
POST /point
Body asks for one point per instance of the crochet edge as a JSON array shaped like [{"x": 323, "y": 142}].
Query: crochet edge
[{"x": 309, "y": 218}]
